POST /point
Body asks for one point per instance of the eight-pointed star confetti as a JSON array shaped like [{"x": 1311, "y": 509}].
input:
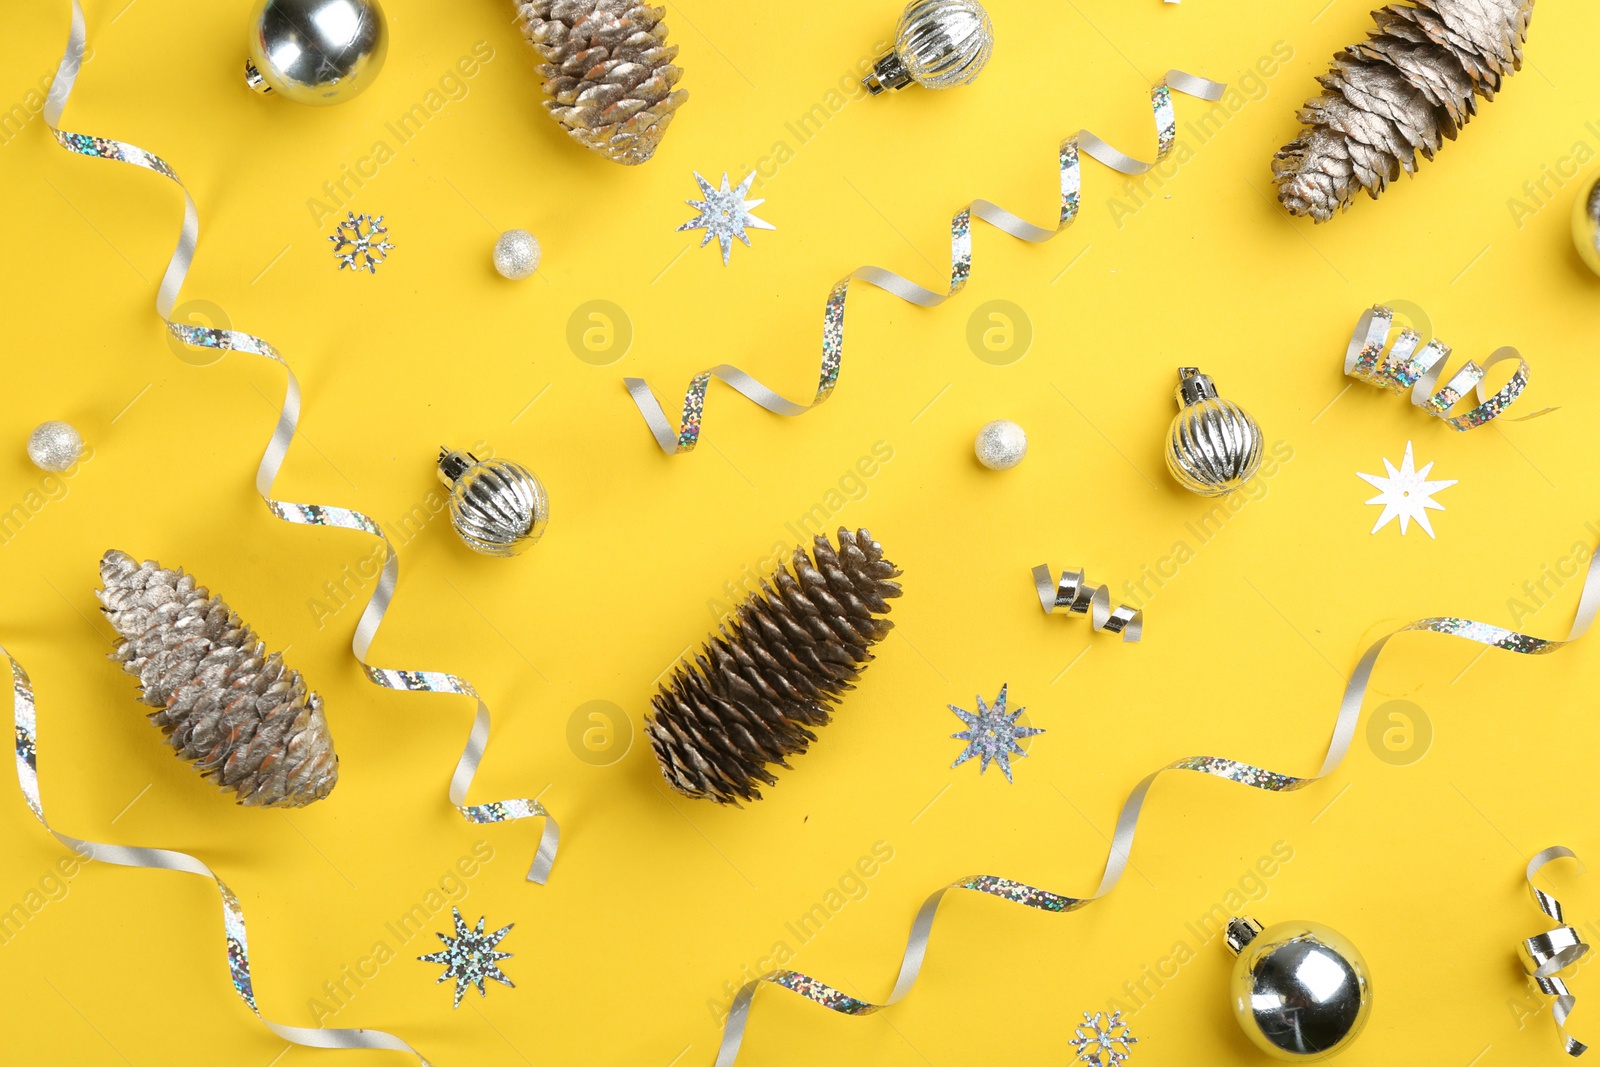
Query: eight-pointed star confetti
[
  {"x": 1103, "y": 1041},
  {"x": 470, "y": 957},
  {"x": 992, "y": 734},
  {"x": 725, "y": 214},
  {"x": 1406, "y": 494}
]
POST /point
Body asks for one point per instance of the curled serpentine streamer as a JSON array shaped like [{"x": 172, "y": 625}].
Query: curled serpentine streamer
[
  {"x": 166, "y": 860},
  {"x": 684, "y": 439},
  {"x": 1127, "y": 821},
  {"x": 1074, "y": 594},
  {"x": 1545, "y": 955}
]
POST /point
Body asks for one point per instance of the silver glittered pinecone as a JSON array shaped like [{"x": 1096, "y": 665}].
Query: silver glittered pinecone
[
  {"x": 790, "y": 652},
  {"x": 1397, "y": 96},
  {"x": 239, "y": 715},
  {"x": 608, "y": 72}
]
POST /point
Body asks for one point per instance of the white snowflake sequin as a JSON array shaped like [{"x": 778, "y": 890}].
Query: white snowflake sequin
[
  {"x": 470, "y": 957},
  {"x": 725, "y": 214},
  {"x": 992, "y": 734},
  {"x": 361, "y": 242},
  {"x": 1103, "y": 1041},
  {"x": 1406, "y": 494}
]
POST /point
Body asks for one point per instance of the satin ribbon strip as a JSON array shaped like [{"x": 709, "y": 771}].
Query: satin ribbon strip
[
  {"x": 272, "y": 460},
  {"x": 1546, "y": 955},
  {"x": 1418, "y": 366},
  {"x": 1128, "y": 820},
  {"x": 1074, "y": 594},
  {"x": 688, "y": 435},
  {"x": 238, "y": 941}
]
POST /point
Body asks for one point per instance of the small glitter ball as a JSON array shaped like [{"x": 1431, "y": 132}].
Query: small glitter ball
[
  {"x": 54, "y": 446},
  {"x": 1001, "y": 445},
  {"x": 516, "y": 255},
  {"x": 470, "y": 957}
]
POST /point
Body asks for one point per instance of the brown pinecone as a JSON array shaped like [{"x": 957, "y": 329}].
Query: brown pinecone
[
  {"x": 240, "y": 716},
  {"x": 608, "y": 72},
  {"x": 789, "y": 653},
  {"x": 1411, "y": 84}
]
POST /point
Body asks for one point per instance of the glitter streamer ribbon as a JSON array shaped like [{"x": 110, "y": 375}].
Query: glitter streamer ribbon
[
  {"x": 1545, "y": 955},
  {"x": 278, "y": 448},
  {"x": 1417, "y": 366},
  {"x": 1074, "y": 594},
  {"x": 1127, "y": 821},
  {"x": 165, "y": 860},
  {"x": 1083, "y": 142}
]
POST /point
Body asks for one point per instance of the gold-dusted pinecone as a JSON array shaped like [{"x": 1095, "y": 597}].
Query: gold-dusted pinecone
[
  {"x": 1397, "y": 96},
  {"x": 239, "y": 715},
  {"x": 790, "y": 653},
  {"x": 608, "y": 72}
]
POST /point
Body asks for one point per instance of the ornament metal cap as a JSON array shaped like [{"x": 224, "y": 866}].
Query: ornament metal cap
[
  {"x": 939, "y": 44},
  {"x": 1241, "y": 931},
  {"x": 255, "y": 79},
  {"x": 1194, "y": 387}
]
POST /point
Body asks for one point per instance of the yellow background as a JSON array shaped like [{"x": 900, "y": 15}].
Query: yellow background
[{"x": 657, "y": 902}]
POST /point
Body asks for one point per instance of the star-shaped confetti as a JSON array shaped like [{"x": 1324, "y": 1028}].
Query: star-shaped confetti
[
  {"x": 1103, "y": 1041},
  {"x": 470, "y": 957},
  {"x": 1406, "y": 494},
  {"x": 992, "y": 734},
  {"x": 725, "y": 214}
]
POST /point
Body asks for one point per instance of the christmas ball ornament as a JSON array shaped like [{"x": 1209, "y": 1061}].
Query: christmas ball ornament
[
  {"x": 1300, "y": 990},
  {"x": 516, "y": 255},
  {"x": 939, "y": 44},
  {"x": 1586, "y": 224},
  {"x": 498, "y": 508},
  {"x": 1001, "y": 445},
  {"x": 1214, "y": 446},
  {"x": 54, "y": 446},
  {"x": 316, "y": 51}
]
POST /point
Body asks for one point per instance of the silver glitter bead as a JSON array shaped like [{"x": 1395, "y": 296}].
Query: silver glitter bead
[
  {"x": 1586, "y": 224},
  {"x": 939, "y": 44},
  {"x": 1001, "y": 445},
  {"x": 316, "y": 51},
  {"x": 54, "y": 446},
  {"x": 1214, "y": 446},
  {"x": 498, "y": 508},
  {"x": 1300, "y": 990},
  {"x": 516, "y": 255}
]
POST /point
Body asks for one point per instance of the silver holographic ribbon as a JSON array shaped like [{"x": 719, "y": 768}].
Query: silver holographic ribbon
[
  {"x": 1083, "y": 142},
  {"x": 164, "y": 860},
  {"x": 278, "y": 448},
  {"x": 1546, "y": 955},
  {"x": 1075, "y": 594},
  {"x": 1128, "y": 820}
]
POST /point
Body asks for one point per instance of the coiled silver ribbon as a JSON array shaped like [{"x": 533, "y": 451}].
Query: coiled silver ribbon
[
  {"x": 1074, "y": 594},
  {"x": 1545, "y": 955},
  {"x": 165, "y": 860},
  {"x": 694, "y": 402},
  {"x": 272, "y": 460},
  {"x": 1128, "y": 820}
]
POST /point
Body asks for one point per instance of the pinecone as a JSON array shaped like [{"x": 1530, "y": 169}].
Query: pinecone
[
  {"x": 240, "y": 716},
  {"x": 1412, "y": 83},
  {"x": 608, "y": 72},
  {"x": 791, "y": 651}
]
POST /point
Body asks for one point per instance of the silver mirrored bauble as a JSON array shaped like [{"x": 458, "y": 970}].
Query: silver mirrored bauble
[
  {"x": 498, "y": 508},
  {"x": 939, "y": 44},
  {"x": 516, "y": 255},
  {"x": 1586, "y": 223},
  {"x": 316, "y": 51},
  {"x": 1001, "y": 445},
  {"x": 1214, "y": 446},
  {"x": 1300, "y": 990},
  {"x": 54, "y": 446}
]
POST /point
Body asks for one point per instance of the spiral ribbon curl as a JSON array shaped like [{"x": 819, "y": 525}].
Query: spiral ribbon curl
[
  {"x": 1074, "y": 593},
  {"x": 1547, "y": 954},
  {"x": 166, "y": 860},
  {"x": 694, "y": 402},
  {"x": 1128, "y": 820}
]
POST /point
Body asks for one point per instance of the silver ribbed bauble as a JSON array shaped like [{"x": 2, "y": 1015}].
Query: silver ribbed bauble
[
  {"x": 939, "y": 44},
  {"x": 498, "y": 508},
  {"x": 1300, "y": 990},
  {"x": 54, "y": 446},
  {"x": 516, "y": 255},
  {"x": 316, "y": 51},
  {"x": 1586, "y": 223},
  {"x": 1214, "y": 446}
]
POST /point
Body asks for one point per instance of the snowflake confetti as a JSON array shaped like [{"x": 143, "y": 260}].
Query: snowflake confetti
[
  {"x": 361, "y": 243},
  {"x": 1406, "y": 494},
  {"x": 725, "y": 214},
  {"x": 470, "y": 957},
  {"x": 1103, "y": 1041},
  {"x": 992, "y": 734}
]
